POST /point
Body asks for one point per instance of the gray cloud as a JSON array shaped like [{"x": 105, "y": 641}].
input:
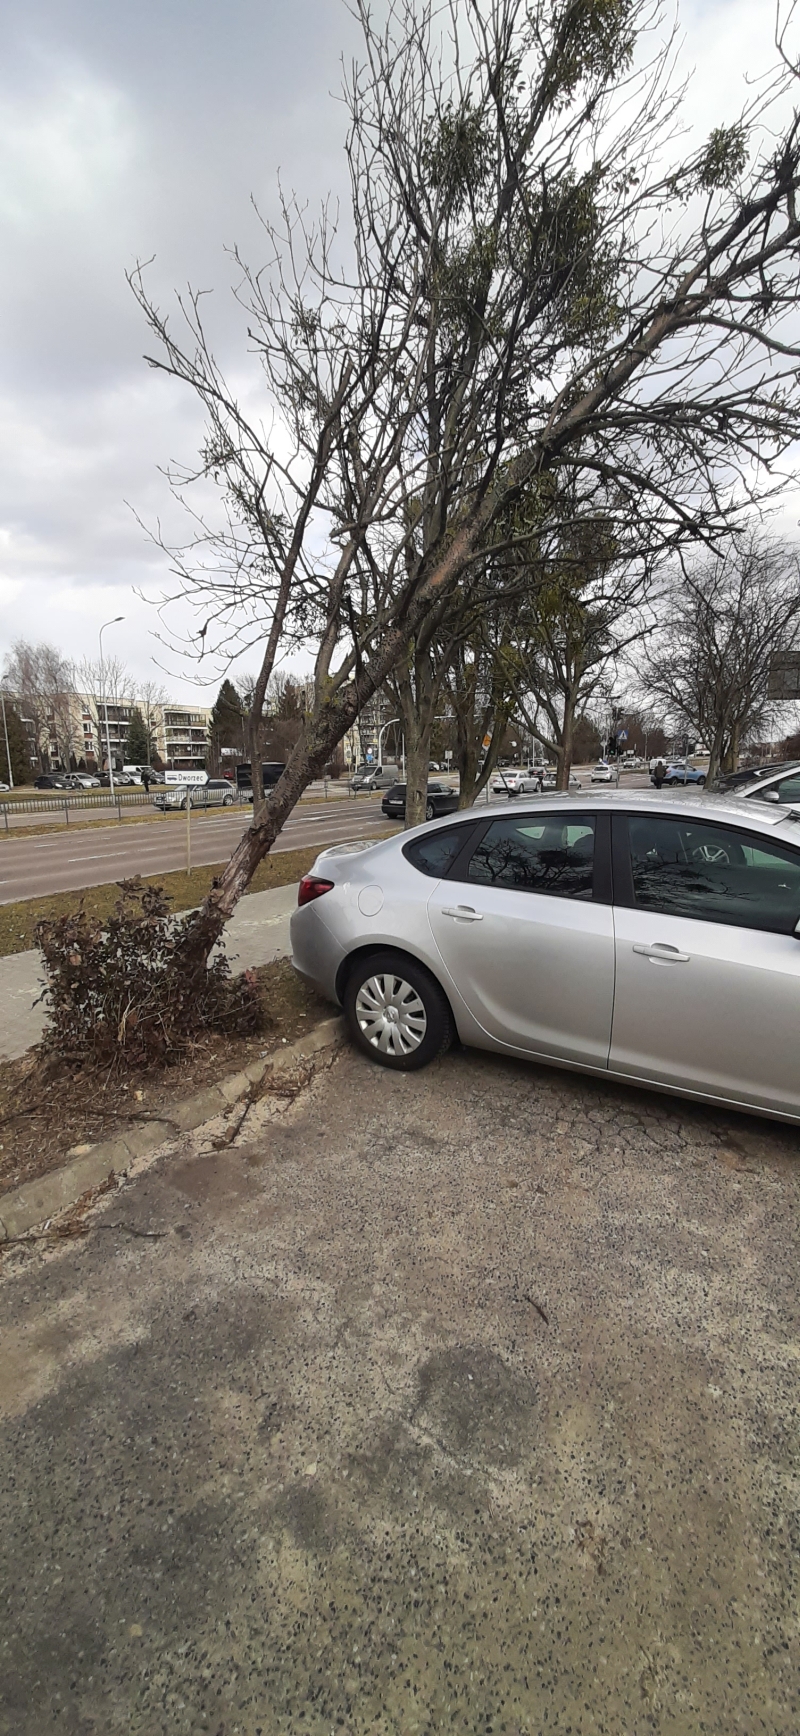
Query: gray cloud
[{"x": 127, "y": 131}]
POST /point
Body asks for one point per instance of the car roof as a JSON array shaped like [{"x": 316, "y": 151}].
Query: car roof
[
  {"x": 705, "y": 805},
  {"x": 762, "y": 782}
]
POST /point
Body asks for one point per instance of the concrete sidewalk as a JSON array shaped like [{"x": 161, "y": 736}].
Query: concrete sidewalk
[{"x": 257, "y": 933}]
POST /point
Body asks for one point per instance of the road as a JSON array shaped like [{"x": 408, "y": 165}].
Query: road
[
  {"x": 455, "y": 1401},
  {"x": 35, "y": 867}
]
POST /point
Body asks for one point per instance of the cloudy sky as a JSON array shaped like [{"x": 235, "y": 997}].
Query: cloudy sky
[{"x": 133, "y": 130}]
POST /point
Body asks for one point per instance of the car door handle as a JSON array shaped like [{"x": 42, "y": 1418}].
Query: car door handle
[
  {"x": 667, "y": 954},
  {"x": 462, "y": 912}
]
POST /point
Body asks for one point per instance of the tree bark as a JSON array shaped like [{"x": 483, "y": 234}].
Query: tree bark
[
  {"x": 564, "y": 748},
  {"x": 418, "y": 751}
]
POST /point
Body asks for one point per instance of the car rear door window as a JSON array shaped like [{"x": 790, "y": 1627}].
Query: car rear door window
[
  {"x": 713, "y": 873},
  {"x": 435, "y": 853},
  {"x": 552, "y": 854}
]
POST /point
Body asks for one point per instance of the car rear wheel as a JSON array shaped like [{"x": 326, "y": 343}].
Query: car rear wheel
[
  {"x": 397, "y": 1013},
  {"x": 430, "y": 811}
]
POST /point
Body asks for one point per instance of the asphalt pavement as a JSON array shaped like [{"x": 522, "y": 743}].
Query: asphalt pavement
[
  {"x": 461, "y": 1401},
  {"x": 70, "y": 861}
]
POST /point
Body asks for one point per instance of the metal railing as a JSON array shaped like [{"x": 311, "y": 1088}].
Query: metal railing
[{"x": 72, "y": 801}]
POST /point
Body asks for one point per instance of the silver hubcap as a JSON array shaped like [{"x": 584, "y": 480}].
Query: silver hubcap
[{"x": 391, "y": 1015}]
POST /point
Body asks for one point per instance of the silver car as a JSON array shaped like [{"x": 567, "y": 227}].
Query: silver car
[{"x": 630, "y": 935}]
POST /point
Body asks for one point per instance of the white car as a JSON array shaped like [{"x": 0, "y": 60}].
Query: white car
[
  {"x": 525, "y": 781},
  {"x": 602, "y": 774},
  {"x": 549, "y": 781}
]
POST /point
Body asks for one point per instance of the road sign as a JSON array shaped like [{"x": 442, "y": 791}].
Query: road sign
[{"x": 783, "y": 680}]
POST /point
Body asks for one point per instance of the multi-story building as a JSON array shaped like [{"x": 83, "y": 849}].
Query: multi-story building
[
  {"x": 363, "y": 740},
  {"x": 96, "y": 726},
  {"x": 182, "y": 737}
]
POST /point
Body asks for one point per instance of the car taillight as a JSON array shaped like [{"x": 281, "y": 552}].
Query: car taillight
[{"x": 311, "y": 887}]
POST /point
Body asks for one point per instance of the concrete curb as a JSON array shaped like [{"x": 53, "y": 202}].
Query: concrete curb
[{"x": 91, "y": 1165}]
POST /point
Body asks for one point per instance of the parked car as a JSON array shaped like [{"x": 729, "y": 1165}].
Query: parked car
[
  {"x": 601, "y": 774},
  {"x": 439, "y": 801},
  {"x": 4, "y": 787},
  {"x": 49, "y": 781},
  {"x": 735, "y": 782},
  {"x": 82, "y": 781},
  {"x": 216, "y": 793},
  {"x": 506, "y": 929},
  {"x": 680, "y": 774},
  {"x": 782, "y": 786}
]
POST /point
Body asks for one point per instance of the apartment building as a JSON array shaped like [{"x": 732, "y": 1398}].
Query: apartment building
[{"x": 91, "y": 726}]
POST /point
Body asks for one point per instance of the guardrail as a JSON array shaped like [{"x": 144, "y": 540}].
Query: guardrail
[{"x": 71, "y": 801}]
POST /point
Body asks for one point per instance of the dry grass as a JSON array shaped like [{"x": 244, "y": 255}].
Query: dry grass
[
  {"x": 47, "y": 1107},
  {"x": 17, "y": 921}
]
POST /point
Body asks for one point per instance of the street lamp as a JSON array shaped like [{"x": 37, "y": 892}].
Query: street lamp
[
  {"x": 104, "y": 698},
  {"x": 8, "y": 750},
  {"x": 381, "y": 734}
]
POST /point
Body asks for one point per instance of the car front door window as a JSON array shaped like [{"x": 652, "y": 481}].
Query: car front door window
[{"x": 713, "y": 874}]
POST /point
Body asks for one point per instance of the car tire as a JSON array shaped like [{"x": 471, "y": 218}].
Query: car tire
[
  {"x": 368, "y": 989},
  {"x": 701, "y": 783},
  {"x": 430, "y": 811}
]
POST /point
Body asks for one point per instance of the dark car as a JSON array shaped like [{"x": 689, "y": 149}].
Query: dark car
[
  {"x": 440, "y": 801},
  {"x": 49, "y": 781},
  {"x": 752, "y": 774}
]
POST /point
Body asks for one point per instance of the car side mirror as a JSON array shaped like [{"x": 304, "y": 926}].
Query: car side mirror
[{"x": 770, "y": 796}]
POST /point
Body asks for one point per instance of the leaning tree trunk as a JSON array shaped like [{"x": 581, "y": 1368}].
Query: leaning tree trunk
[{"x": 418, "y": 753}]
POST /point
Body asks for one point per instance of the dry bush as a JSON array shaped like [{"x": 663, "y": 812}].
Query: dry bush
[{"x": 121, "y": 989}]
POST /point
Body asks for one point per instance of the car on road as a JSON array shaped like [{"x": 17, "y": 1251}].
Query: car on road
[
  {"x": 528, "y": 780},
  {"x": 601, "y": 774},
  {"x": 4, "y": 787},
  {"x": 369, "y": 778},
  {"x": 49, "y": 781},
  {"x": 631, "y": 935},
  {"x": 440, "y": 800},
  {"x": 680, "y": 774},
  {"x": 216, "y": 793},
  {"x": 82, "y": 781}
]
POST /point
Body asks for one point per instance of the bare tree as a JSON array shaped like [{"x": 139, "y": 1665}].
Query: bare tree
[
  {"x": 725, "y": 620},
  {"x": 151, "y": 697},
  {"x": 528, "y": 294},
  {"x": 42, "y": 682}
]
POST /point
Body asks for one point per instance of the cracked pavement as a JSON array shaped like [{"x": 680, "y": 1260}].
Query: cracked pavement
[{"x": 458, "y": 1401}]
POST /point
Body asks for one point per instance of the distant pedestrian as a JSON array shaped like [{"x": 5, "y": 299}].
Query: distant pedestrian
[
  {"x": 659, "y": 774},
  {"x": 147, "y": 779}
]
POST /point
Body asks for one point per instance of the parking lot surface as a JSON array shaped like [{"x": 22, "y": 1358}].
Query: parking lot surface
[{"x": 459, "y": 1402}]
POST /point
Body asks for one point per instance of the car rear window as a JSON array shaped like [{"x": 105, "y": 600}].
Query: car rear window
[{"x": 436, "y": 853}]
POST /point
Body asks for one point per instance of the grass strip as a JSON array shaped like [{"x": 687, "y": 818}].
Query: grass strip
[{"x": 17, "y": 921}]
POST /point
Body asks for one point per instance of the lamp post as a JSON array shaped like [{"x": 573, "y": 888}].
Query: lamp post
[
  {"x": 381, "y": 734},
  {"x": 104, "y": 698},
  {"x": 8, "y": 750}
]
